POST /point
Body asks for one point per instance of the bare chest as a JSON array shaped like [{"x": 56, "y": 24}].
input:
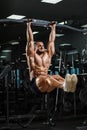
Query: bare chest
[{"x": 43, "y": 60}]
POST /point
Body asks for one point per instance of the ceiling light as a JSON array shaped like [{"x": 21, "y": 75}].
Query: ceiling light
[
  {"x": 56, "y": 67},
  {"x": 84, "y": 26},
  {"x": 14, "y": 43},
  {"x": 3, "y": 56},
  {"x": 6, "y": 51},
  {"x": 62, "y": 23},
  {"x": 51, "y": 1},
  {"x": 35, "y": 33},
  {"x": 59, "y": 35},
  {"x": 13, "y": 16},
  {"x": 24, "y": 54}
]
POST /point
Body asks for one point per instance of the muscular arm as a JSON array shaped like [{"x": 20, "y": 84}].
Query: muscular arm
[
  {"x": 51, "y": 46},
  {"x": 30, "y": 41}
]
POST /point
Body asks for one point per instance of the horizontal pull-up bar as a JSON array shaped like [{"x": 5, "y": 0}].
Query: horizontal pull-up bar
[{"x": 43, "y": 23}]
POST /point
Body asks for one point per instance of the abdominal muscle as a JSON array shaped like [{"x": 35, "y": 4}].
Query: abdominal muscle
[
  {"x": 41, "y": 74},
  {"x": 43, "y": 71}
]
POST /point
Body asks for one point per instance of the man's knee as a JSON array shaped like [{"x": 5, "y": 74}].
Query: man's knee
[
  {"x": 41, "y": 81},
  {"x": 47, "y": 80}
]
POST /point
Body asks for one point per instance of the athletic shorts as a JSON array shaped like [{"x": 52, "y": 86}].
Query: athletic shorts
[{"x": 34, "y": 87}]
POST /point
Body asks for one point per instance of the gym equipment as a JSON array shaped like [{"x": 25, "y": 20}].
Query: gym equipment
[
  {"x": 34, "y": 110},
  {"x": 63, "y": 48},
  {"x": 83, "y": 99},
  {"x": 38, "y": 22},
  {"x": 4, "y": 74},
  {"x": 73, "y": 68},
  {"x": 5, "y": 71}
]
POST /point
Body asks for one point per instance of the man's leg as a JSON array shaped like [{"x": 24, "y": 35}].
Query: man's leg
[
  {"x": 49, "y": 83},
  {"x": 58, "y": 77},
  {"x": 70, "y": 82}
]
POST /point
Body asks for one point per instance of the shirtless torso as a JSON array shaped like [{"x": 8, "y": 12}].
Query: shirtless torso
[{"x": 40, "y": 64}]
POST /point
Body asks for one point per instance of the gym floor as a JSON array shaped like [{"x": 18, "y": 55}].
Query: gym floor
[
  {"x": 60, "y": 124},
  {"x": 66, "y": 124}
]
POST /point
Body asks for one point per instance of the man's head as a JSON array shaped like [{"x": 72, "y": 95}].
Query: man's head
[{"x": 39, "y": 47}]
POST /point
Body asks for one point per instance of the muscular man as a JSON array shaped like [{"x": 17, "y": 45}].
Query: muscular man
[{"x": 39, "y": 59}]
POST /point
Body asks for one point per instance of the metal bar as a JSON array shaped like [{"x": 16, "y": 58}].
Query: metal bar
[{"x": 44, "y": 23}]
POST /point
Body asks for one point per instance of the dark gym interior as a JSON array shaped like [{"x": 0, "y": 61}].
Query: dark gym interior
[{"x": 20, "y": 108}]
